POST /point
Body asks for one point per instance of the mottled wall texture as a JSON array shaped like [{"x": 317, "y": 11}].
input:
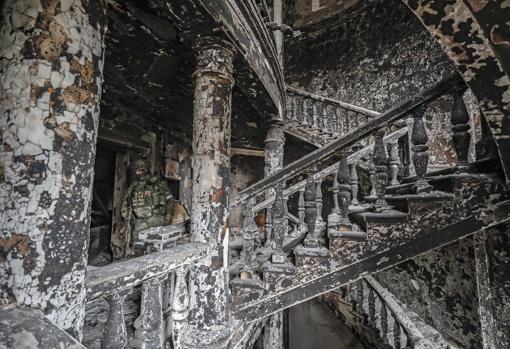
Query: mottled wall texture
[
  {"x": 441, "y": 287},
  {"x": 51, "y": 61},
  {"x": 376, "y": 60}
]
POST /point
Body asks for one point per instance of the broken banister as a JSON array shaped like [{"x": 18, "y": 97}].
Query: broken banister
[
  {"x": 348, "y": 106},
  {"x": 399, "y": 112}
]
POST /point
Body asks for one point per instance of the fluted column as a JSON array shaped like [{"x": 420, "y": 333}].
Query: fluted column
[{"x": 211, "y": 167}]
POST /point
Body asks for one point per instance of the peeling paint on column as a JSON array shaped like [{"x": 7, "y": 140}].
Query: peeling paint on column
[
  {"x": 211, "y": 168},
  {"x": 51, "y": 61}
]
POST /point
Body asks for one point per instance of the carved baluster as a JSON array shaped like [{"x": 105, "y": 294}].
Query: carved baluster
[
  {"x": 180, "y": 305},
  {"x": 397, "y": 344},
  {"x": 269, "y": 228},
  {"x": 249, "y": 232},
  {"x": 340, "y": 125},
  {"x": 394, "y": 163},
  {"x": 384, "y": 321},
  {"x": 371, "y": 306},
  {"x": 319, "y": 199},
  {"x": 347, "y": 121},
  {"x": 278, "y": 225},
  {"x": 307, "y": 112},
  {"x": 333, "y": 126},
  {"x": 460, "y": 127},
  {"x": 354, "y": 183},
  {"x": 152, "y": 312},
  {"x": 315, "y": 114},
  {"x": 420, "y": 154},
  {"x": 286, "y": 216},
  {"x": 115, "y": 335},
  {"x": 336, "y": 189},
  {"x": 325, "y": 119},
  {"x": 380, "y": 159},
  {"x": 359, "y": 298},
  {"x": 372, "y": 173},
  {"x": 312, "y": 240},
  {"x": 344, "y": 195},
  {"x": 301, "y": 207}
]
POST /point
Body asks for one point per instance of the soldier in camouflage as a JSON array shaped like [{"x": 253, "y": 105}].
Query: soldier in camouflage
[{"x": 148, "y": 202}]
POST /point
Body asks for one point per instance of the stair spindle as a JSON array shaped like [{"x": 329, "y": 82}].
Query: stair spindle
[
  {"x": 152, "y": 312},
  {"x": 269, "y": 228},
  {"x": 325, "y": 119},
  {"x": 180, "y": 305},
  {"x": 372, "y": 175},
  {"x": 420, "y": 151},
  {"x": 384, "y": 321},
  {"x": 460, "y": 127},
  {"x": 359, "y": 298},
  {"x": 397, "y": 344},
  {"x": 354, "y": 181},
  {"x": 380, "y": 159},
  {"x": 312, "y": 238},
  {"x": 340, "y": 125},
  {"x": 315, "y": 114},
  {"x": 285, "y": 216},
  {"x": 250, "y": 230},
  {"x": 115, "y": 335},
  {"x": 305, "y": 111},
  {"x": 371, "y": 306},
  {"x": 301, "y": 207},
  {"x": 278, "y": 211},
  {"x": 394, "y": 163}
]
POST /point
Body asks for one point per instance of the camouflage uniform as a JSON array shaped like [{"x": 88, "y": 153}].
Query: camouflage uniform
[{"x": 150, "y": 202}]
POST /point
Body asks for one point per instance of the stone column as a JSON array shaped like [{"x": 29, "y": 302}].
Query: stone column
[
  {"x": 493, "y": 277},
  {"x": 211, "y": 167},
  {"x": 51, "y": 59},
  {"x": 273, "y": 161}
]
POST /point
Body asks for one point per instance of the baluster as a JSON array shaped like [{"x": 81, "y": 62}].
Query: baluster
[
  {"x": 460, "y": 127},
  {"x": 152, "y": 312},
  {"x": 307, "y": 112},
  {"x": 384, "y": 321},
  {"x": 292, "y": 111},
  {"x": 340, "y": 121},
  {"x": 380, "y": 159},
  {"x": 312, "y": 239},
  {"x": 397, "y": 344},
  {"x": 285, "y": 216},
  {"x": 301, "y": 207},
  {"x": 347, "y": 121},
  {"x": 325, "y": 119},
  {"x": 420, "y": 154},
  {"x": 371, "y": 306},
  {"x": 115, "y": 335},
  {"x": 180, "y": 305},
  {"x": 394, "y": 163},
  {"x": 318, "y": 183},
  {"x": 354, "y": 183},
  {"x": 249, "y": 232},
  {"x": 315, "y": 114},
  {"x": 269, "y": 228},
  {"x": 359, "y": 298},
  {"x": 338, "y": 220},
  {"x": 371, "y": 170},
  {"x": 278, "y": 225},
  {"x": 332, "y": 117}
]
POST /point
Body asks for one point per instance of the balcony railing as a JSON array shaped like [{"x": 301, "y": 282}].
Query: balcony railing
[{"x": 162, "y": 276}]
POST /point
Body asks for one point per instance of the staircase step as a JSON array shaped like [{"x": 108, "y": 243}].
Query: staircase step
[
  {"x": 413, "y": 203},
  {"x": 365, "y": 219}
]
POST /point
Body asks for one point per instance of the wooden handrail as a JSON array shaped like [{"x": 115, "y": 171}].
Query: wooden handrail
[
  {"x": 328, "y": 100},
  {"x": 126, "y": 274},
  {"x": 331, "y": 149}
]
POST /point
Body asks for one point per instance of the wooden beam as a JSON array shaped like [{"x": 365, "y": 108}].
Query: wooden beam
[{"x": 248, "y": 152}]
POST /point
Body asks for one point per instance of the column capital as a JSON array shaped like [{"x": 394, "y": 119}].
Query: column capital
[{"x": 214, "y": 56}]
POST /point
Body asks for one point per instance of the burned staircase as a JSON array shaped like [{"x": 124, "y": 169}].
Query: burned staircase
[{"x": 308, "y": 253}]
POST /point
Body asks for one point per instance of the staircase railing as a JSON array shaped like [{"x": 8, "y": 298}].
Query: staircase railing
[
  {"x": 332, "y": 149},
  {"x": 308, "y": 112},
  {"x": 164, "y": 292},
  {"x": 377, "y": 316}
]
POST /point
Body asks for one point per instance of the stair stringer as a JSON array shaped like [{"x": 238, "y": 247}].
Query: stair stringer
[{"x": 479, "y": 202}]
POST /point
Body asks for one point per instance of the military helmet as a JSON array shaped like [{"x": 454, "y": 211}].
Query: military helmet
[{"x": 139, "y": 164}]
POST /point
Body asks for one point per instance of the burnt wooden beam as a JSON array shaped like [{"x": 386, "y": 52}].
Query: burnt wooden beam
[
  {"x": 367, "y": 129},
  {"x": 248, "y": 152}
]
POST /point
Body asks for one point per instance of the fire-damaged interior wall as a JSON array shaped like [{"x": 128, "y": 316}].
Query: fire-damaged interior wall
[{"x": 376, "y": 60}]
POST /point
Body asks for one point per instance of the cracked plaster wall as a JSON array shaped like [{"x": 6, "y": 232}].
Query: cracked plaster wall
[
  {"x": 375, "y": 60},
  {"x": 440, "y": 286},
  {"x": 51, "y": 61}
]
